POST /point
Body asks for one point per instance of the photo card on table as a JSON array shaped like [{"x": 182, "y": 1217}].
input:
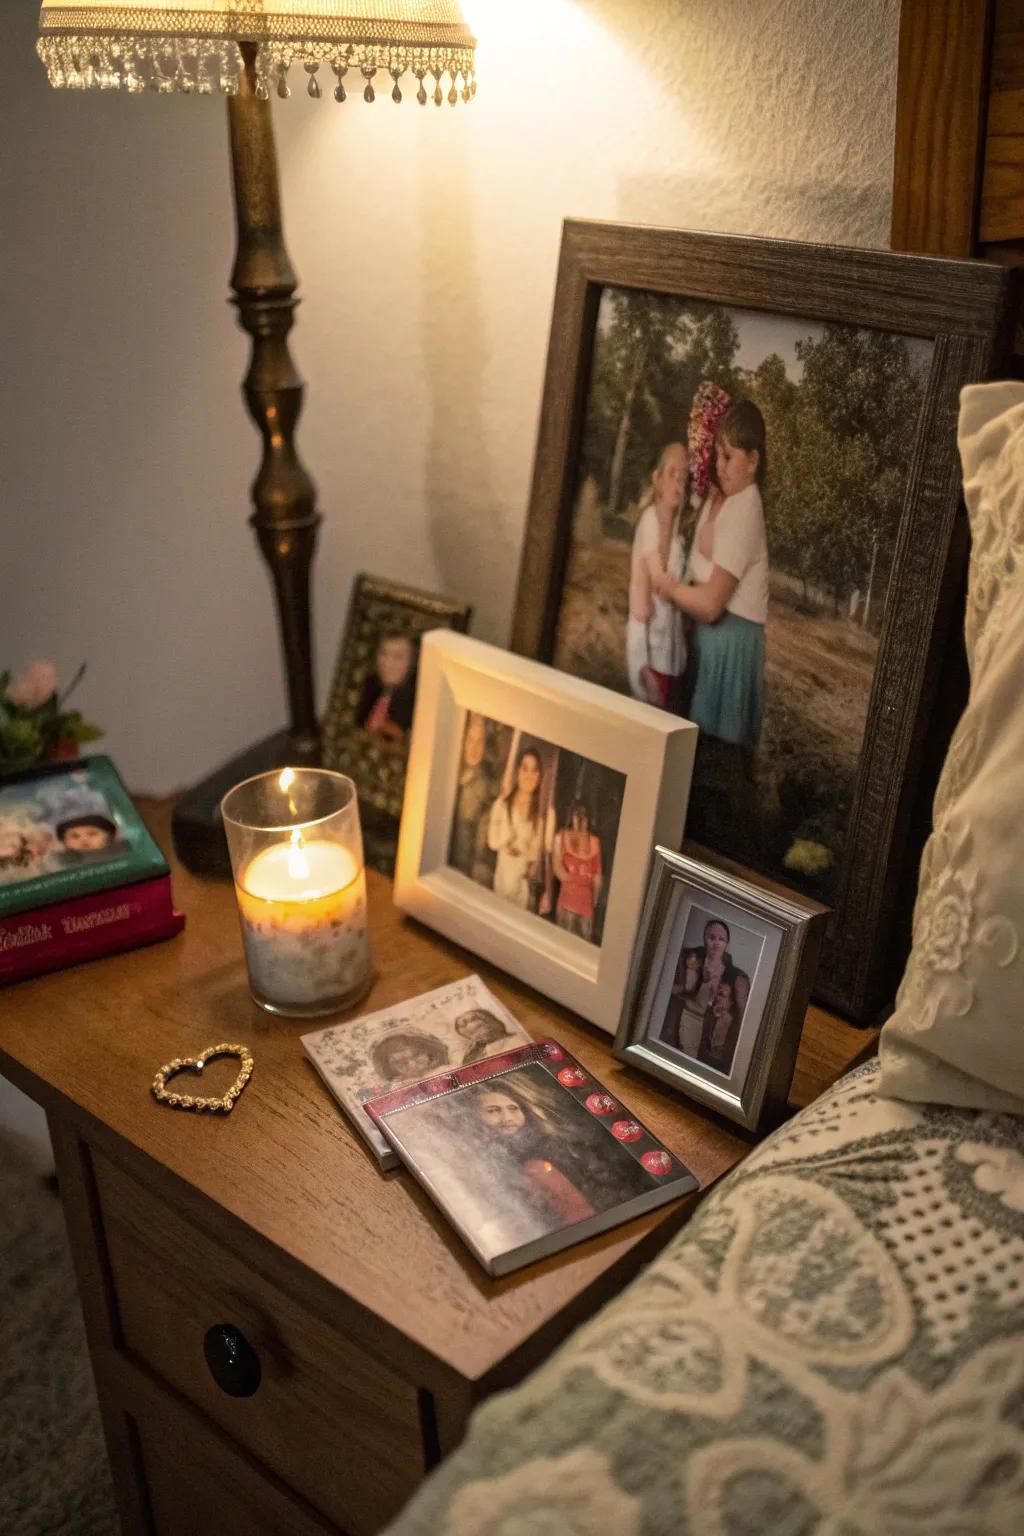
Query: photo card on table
[
  {"x": 533, "y": 803},
  {"x": 527, "y": 1153},
  {"x": 453, "y": 1026},
  {"x": 746, "y": 509},
  {"x": 719, "y": 985}
]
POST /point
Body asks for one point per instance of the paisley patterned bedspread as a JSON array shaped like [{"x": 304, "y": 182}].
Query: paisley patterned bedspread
[{"x": 835, "y": 1344}]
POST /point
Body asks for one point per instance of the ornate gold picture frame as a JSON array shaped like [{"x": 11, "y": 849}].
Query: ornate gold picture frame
[{"x": 368, "y": 721}]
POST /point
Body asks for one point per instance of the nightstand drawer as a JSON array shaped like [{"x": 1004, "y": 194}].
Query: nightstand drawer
[{"x": 331, "y": 1422}]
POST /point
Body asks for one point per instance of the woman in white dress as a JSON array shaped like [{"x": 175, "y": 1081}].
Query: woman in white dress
[{"x": 515, "y": 832}]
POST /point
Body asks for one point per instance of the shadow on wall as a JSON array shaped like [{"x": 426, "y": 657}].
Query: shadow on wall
[
  {"x": 821, "y": 211},
  {"x": 477, "y": 552}
]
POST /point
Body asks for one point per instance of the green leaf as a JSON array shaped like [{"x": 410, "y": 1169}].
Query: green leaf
[
  {"x": 21, "y": 738},
  {"x": 85, "y": 732}
]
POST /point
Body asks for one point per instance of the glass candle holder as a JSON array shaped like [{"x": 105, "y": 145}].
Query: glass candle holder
[{"x": 297, "y": 857}]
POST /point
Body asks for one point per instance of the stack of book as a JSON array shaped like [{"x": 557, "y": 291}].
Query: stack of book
[{"x": 80, "y": 876}]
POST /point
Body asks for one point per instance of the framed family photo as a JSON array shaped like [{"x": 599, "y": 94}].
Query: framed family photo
[
  {"x": 533, "y": 802},
  {"x": 721, "y": 976},
  {"x": 368, "y": 721},
  {"x": 746, "y": 511}
]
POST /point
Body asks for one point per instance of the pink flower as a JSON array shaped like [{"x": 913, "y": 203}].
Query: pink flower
[{"x": 36, "y": 684}]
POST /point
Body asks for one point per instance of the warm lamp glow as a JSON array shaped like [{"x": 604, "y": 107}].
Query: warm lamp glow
[{"x": 192, "y": 45}]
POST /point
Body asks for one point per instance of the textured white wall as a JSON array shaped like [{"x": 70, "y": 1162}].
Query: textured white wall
[{"x": 427, "y": 244}]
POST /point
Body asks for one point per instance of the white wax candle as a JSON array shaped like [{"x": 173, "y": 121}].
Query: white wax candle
[{"x": 303, "y": 911}]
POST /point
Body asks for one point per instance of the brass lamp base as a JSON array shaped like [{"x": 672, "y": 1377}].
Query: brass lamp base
[
  {"x": 198, "y": 831},
  {"x": 196, "y": 824}
]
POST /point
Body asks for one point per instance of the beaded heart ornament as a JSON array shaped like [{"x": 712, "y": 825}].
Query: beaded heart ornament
[{"x": 195, "y": 1064}]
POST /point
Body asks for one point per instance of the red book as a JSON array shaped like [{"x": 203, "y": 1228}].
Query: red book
[{"x": 102, "y": 923}]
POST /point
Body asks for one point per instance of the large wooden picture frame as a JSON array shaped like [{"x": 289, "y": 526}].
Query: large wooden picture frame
[{"x": 964, "y": 313}]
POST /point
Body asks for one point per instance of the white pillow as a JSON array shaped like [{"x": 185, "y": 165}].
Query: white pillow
[{"x": 957, "y": 1034}]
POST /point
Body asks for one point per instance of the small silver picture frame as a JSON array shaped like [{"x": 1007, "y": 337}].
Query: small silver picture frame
[{"x": 718, "y": 987}]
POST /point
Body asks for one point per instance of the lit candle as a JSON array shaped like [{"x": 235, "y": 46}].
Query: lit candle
[{"x": 302, "y": 904}]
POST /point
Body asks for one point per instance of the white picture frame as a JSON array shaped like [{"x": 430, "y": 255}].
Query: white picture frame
[
  {"x": 652, "y": 750},
  {"x": 773, "y": 942}
]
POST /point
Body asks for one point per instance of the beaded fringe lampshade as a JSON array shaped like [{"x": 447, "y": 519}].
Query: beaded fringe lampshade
[{"x": 192, "y": 45}]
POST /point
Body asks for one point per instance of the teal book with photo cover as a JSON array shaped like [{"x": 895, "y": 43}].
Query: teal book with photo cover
[{"x": 67, "y": 830}]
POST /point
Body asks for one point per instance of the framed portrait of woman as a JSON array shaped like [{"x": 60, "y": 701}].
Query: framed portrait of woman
[
  {"x": 718, "y": 988},
  {"x": 533, "y": 802},
  {"x": 746, "y": 511}
]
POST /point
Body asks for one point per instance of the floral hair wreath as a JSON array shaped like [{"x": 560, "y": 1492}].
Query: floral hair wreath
[{"x": 710, "y": 403}]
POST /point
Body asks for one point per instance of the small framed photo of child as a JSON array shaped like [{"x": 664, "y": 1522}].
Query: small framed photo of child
[
  {"x": 367, "y": 726},
  {"x": 533, "y": 803},
  {"x": 719, "y": 985},
  {"x": 744, "y": 512}
]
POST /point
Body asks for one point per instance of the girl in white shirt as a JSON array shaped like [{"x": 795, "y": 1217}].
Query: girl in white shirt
[
  {"x": 725, "y": 590},
  {"x": 655, "y": 643}
]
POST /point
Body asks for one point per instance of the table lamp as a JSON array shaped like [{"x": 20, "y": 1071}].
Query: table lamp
[{"x": 245, "y": 49}]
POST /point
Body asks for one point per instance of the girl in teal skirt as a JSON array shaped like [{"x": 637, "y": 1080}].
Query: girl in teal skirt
[{"x": 725, "y": 587}]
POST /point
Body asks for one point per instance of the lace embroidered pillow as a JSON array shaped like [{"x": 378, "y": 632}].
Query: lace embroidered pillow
[{"x": 957, "y": 1035}]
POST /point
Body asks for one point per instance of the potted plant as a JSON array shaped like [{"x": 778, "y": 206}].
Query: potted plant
[{"x": 34, "y": 723}]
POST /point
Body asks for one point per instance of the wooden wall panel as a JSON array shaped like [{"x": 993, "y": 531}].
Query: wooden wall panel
[
  {"x": 1001, "y": 216},
  {"x": 940, "y": 122}
]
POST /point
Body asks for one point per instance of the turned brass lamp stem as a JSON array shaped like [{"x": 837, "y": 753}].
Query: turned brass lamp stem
[{"x": 284, "y": 496}]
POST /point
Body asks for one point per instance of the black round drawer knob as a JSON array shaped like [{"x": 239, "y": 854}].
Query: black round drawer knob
[{"x": 234, "y": 1364}]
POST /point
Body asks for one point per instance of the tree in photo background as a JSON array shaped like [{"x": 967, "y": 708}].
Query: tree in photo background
[
  {"x": 839, "y": 436},
  {"x": 649, "y": 359},
  {"x": 839, "y": 443}
]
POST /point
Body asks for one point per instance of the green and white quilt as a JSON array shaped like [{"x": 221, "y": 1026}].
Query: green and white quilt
[{"x": 835, "y": 1344}]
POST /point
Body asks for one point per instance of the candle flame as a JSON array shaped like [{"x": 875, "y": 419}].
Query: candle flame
[
  {"x": 284, "y": 784},
  {"x": 298, "y": 863}
]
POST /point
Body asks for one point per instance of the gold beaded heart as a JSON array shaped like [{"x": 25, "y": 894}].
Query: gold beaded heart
[{"x": 222, "y": 1106}]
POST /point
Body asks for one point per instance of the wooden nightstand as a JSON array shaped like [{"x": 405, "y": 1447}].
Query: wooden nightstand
[{"x": 374, "y": 1329}]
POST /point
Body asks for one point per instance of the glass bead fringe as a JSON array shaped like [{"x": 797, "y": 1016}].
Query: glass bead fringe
[{"x": 202, "y": 67}]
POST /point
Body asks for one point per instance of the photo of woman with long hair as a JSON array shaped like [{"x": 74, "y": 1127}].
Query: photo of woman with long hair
[
  {"x": 576, "y": 860},
  {"x": 515, "y": 832},
  {"x": 480, "y": 1028},
  {"x": 520, "y": 1157},
  {"x": 707, "y": 991},
  {"x": 699, "y": 974}
]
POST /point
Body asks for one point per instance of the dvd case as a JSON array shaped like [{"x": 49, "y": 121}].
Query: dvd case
[{"x": 527, "y": 1153}]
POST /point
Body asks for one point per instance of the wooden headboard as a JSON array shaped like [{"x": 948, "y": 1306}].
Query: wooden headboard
[{"x": 958, "y": 186}]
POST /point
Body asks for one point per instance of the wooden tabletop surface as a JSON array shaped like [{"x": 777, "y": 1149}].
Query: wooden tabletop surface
[{"x": 287, "y": 1167}]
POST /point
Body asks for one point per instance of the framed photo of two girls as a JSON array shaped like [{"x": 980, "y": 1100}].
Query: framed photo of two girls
[{"x": 746, "y": 511}]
